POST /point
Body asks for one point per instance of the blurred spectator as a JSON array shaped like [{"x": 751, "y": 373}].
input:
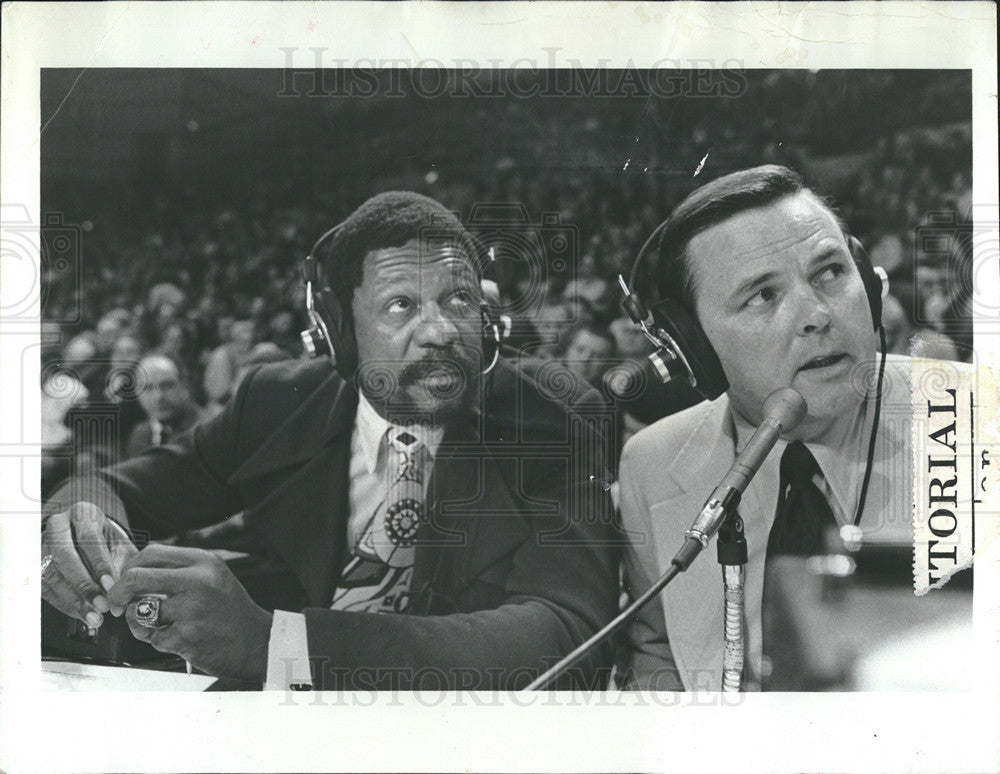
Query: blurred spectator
[
  {"x": 591, "y": 298},
  {"x": 903, "y": 337},
  {"x": 283, "y": 331},
  {"x": 111, "y": 325},
  {"x": 165, "y": 293},
  {"x": 264, "y": 352},
  {"x": 61, "y": 391},
  {"x": 629, "y": 340},
  {"x": 120, "y": 381},
  {"x": 225, "y": 362},
  {"x": 166, "y": 401},
  {"x": 126, "y": 349},
  {"x": 933, "y": 298},
  {"x": 550, "y": 325},
  {"x": 178, "y": 341},
  {"x": 588, "y": 351},
  {"x": 889, "y": 252},
  {"x": 80, "y": 348},
  {"x": 211, "y": 270}
]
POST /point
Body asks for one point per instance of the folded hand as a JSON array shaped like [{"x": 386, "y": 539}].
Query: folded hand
[{"x": 205, "y": 615}]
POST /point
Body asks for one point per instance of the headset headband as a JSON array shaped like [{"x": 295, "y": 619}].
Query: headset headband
[
  {"x": 330, "y": 332},
  {"x": 682, "y": 349}
]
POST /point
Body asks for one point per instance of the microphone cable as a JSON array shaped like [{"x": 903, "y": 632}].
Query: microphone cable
[
  {"x": 543, "y": 680},
  {"x": 874, "y": 433}
]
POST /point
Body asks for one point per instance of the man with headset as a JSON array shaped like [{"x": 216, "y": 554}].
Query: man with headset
[
  {"x": 762, "y": 288},
  {"x": 447, "y": 521}
]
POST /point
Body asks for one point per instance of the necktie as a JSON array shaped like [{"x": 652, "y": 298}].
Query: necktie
[
  {"x": 803, "y": 513},
  {"x": 802, "y": 518},
  {"x": 377, "y": 577}
]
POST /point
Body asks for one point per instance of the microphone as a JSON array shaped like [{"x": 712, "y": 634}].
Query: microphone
[{"x": 783, "y": 410}]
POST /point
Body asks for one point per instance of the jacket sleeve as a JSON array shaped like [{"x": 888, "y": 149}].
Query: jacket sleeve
[
  {"x": 500, "y": 649},
  {"x": 172, "y": 488},
  {"x": 650, "y": 664}
]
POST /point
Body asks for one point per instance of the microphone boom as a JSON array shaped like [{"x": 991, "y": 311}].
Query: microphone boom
[{"x": 783, "y": 410}]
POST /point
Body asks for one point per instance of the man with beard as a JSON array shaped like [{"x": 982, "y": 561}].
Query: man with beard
[{"x": 448, "y": 529}]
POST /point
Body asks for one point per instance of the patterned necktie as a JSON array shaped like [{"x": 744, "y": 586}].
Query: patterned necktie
[
  {"x": 801, "y": 521},
  {"x": 377, "y": 577}
]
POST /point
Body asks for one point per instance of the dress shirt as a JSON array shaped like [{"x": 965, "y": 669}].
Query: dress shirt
[
  {"x": 288, "y": 652},
  {"x": 156, "y": 431},
  {"x": 841, "y": 459}
]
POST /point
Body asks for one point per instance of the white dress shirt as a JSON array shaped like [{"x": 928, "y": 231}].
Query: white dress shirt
[
  {"x": 288, "y": 651},
  {"x": 842, "y": 460}
]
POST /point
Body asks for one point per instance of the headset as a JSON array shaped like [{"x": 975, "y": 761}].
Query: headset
[
  {"x": 331, "y": 333},
  {"x": 683, "y": 351}
]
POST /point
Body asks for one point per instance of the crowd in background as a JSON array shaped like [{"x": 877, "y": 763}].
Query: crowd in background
[{"x": 172, "y": 307}]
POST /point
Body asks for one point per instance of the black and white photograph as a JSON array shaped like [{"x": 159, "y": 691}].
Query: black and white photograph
[{"x": 364, "y": 380}]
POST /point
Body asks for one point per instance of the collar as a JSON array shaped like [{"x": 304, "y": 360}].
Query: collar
[
  {"x": 371, "y": 428},
  {"x": 842, "y": 455}
]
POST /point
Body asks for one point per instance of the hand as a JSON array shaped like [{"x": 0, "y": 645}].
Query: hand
[
  {"x": 206, "y": 617},
  {"x": 88, "y": 552}
]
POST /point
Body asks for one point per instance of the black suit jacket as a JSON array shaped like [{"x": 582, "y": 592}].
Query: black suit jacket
[{"x": 515, "y": 565}]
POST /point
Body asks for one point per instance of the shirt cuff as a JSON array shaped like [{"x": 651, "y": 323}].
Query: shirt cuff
[{"x": 288, "y": 653}]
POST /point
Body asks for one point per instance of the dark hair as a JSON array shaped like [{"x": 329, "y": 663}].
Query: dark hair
[
  {"x": 711, "y": 204},
  {"x": 584, "y": 326},
  {"x": 390, "y": 219}
]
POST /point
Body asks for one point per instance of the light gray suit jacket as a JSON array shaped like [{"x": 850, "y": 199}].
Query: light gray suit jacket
[{"x": 667, "y": 472}]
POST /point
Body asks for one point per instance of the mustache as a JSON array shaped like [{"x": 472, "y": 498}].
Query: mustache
[{"x": 449, "y": 363}]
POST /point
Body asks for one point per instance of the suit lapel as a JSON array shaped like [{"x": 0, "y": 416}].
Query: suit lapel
[
  {"x": 470, "y": 506},
  {"x": 692, "y": 604},
  {"x": 324, "y": 415},
  {"x": 303, "y": 515}
]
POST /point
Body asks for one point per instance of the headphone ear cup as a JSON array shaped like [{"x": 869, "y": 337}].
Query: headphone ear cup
[
  {"x": 687, "y": 332},
  {"x": 343, "y": 347},
  {"x": 869, "y": 278},
  {"x": 492, "y": 335}
]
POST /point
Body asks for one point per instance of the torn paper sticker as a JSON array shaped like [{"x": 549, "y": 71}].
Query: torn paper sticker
[{"x": 956, "y": 467}]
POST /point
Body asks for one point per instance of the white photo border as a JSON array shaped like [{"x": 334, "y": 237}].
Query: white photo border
[{"x": 44, "y": 731}]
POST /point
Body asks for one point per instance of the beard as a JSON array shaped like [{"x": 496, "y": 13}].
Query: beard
[{"x": 439, "y": 388}]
